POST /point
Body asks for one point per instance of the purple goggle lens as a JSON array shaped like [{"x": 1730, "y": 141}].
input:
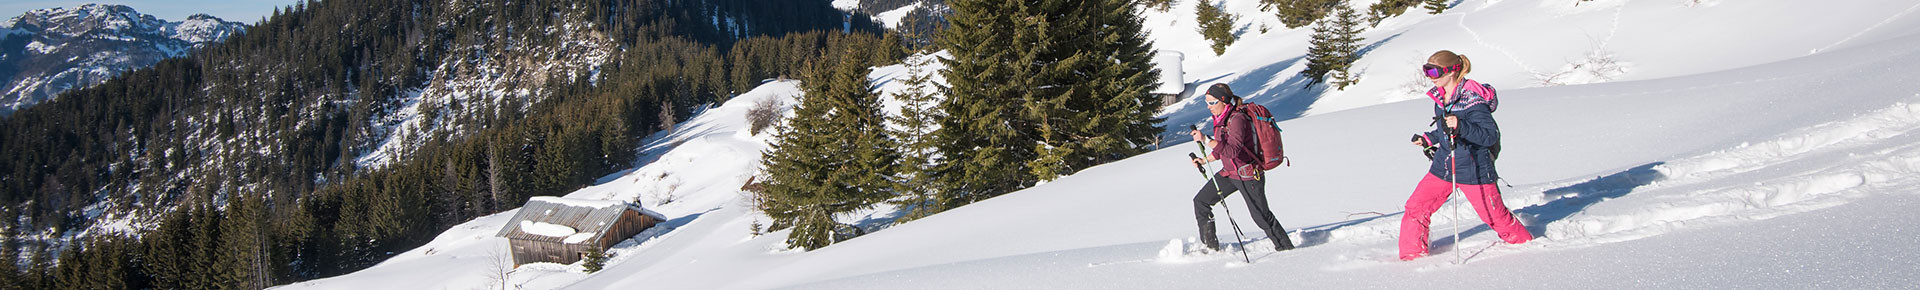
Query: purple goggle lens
[{"x": 1435, "y": 71}]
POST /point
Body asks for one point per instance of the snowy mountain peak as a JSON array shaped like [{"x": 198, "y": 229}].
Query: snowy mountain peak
[
  {"x": 87, "y": 18},
  {"x": 55, "y": 49},
  {"x": 201, "y": 29}
]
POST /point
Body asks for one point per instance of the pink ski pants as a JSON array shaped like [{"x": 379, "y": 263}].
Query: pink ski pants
[{"x": 1432, "y": 192}]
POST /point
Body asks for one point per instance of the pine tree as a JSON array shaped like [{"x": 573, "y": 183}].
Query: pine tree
[
  {"x": 242, "y": 253},
  {"x": 595, "y": 260},
  {"x": 1160, "y": 5},
  {"x": 10, "y": 270},
  {"x": 1215, "y": 25},
  {"x": 1436, "y": 6},
  {"x": 915, "y": 134},
  {"x": 983, "y": 140},
  {"x": 1297, "y": 13},
  {"x": 1388, "y": 8},
  {"x": 832, "y": 158},
  {"x": 1335, "y": 45},
  {"x": 1105, "y": 78},
  {"x": 1039, "y": 89}
]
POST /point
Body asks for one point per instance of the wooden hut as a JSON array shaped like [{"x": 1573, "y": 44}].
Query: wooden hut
[{"x": 563, "y": 230}]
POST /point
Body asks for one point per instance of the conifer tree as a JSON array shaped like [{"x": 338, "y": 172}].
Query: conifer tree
[
  {"x": 595, "y": 260},
  {"x": 982, "y": 140},
  {"x": 9, "y": 271},
  {"x": 1388, "y": 8},
  {"x": 1335, "y": 44},
  {"x": 1160, "y": 5},
  {"x": 1436, "y": 6},
  {"x": 915, "y": 134},
  {"x": 242, "y": 252},
  {"x": 1038, "y": 89},
  {"x": 1101, "y": 84},
  {"x": 833, "y": 157},
  {"x": 1215, "y": 25},
  {"x": 1297, "y": 13}
]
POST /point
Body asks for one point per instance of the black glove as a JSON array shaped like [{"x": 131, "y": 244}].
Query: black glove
[{"x": 1426, "y": 148}]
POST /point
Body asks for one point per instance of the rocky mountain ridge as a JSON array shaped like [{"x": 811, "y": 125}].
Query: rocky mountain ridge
[{"x": 48, "y": 51}]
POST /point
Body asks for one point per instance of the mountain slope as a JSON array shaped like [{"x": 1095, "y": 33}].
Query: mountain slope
[
  {"x": 1770, "y": 167},
  {"x": 363, "y": 127},
  {"x": 47, "y": 51}
]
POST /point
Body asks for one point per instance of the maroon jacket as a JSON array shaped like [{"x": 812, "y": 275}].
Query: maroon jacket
[{"x": 1236, "y": 146}]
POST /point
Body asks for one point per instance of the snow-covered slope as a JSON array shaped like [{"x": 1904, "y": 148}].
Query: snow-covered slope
[
  {"x": 1525, "y": 44},
  {"x": 46, "y": 51},
  {"x": 1730, "y": 154}
]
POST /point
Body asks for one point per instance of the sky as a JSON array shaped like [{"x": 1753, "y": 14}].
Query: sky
[{"x": 244, "y": 11}]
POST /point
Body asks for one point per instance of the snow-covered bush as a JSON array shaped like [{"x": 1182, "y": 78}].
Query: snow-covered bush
[
  {"x": 1599, "y": 65},
  {"x": 763, "y": 114}
]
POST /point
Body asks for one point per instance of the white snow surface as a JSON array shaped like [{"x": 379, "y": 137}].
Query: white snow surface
[{"x": 1746, "y": 146}]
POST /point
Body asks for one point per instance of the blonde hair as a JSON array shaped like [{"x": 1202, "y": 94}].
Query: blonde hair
[{"x": 1449, "y": 59}]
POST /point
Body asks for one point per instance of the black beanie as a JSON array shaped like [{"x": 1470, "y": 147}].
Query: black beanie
[{"x": 1220, "y": 91}]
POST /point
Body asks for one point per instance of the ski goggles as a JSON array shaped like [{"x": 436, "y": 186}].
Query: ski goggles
[{"x": 1434, "y": 71}]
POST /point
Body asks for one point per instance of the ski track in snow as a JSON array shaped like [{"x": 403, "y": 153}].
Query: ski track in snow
[
  {"x": 1890, "y": 19},
  {"x": 1462, "y": 22}
]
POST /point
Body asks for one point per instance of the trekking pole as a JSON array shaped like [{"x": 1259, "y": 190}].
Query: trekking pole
[
  {"x": 1221, "y": 192},
  {"x": 1453, "y": 178}
]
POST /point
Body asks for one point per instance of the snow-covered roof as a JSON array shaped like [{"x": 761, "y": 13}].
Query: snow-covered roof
[
  {"x": 592, "y": 203},
  {"x": 566, "y": 220},
  {"x": 1172, "y": 78}
]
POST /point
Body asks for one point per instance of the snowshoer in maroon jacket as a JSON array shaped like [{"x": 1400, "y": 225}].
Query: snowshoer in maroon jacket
[{"x": 1233, "y": 144}]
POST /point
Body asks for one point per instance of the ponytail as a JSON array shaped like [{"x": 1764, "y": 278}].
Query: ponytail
[{"x": 1466, "y": 66}]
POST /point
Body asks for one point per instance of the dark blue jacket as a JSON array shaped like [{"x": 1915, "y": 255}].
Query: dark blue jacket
[{"x": 1467, "y": 153}]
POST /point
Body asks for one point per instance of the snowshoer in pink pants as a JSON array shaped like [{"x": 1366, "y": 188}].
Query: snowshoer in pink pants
[{"x": 1462, "y": 147}]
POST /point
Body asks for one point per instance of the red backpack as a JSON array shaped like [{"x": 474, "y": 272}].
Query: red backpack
[{"x": 1266, "y": 130}]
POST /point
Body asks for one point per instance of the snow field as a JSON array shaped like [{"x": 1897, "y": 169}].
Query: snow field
[{"x": 1763, "y": 166}]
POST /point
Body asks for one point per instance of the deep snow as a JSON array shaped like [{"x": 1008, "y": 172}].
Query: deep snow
[{"x": 1742, "y": 147}]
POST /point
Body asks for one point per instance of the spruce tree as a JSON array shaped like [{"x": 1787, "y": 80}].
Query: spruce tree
[
  {"x": 1215, "y": 25},
  {"x": 915, "y": 134},
  {"x": 1436, "y": 6},
  {"x": 595, "y": 260},
  {"x": 1108, "y": 113},
  {"x": 1388, "y": 8},
  {"x": 1158, "y": 5},
  {"x": 832, "y": 158},
  {"x": 1039, "y": 89},
  {"x": 242, "y": 253},
  {"x": 1347, "y": 22},
  {"x": 983, "y": 141},
  {"x": 1335, "y": 45},
  {"x": 1297, "y": 13}
]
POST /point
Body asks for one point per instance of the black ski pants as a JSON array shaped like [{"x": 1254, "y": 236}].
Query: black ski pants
[{"x": 1256, "y": 196}]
